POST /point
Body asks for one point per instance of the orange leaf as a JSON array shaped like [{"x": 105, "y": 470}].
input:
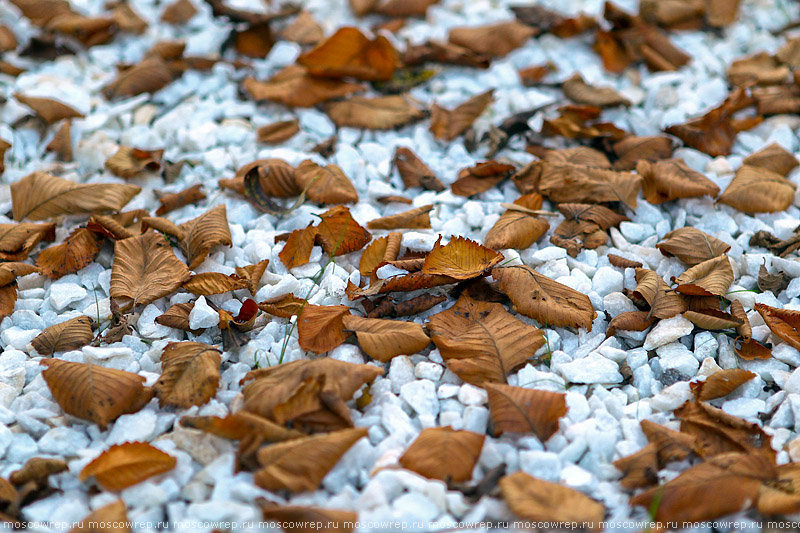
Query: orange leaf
[
  {"x": 297, "y": 249},
  {"x": 757, "y": 190},
  {"x": 444, "y": 453},
  {"x": 378, "y": 113},
  {"x": 17, "y": 240},
  {"x": 535, "y": 499},
  {"x": 495, "y": 40},
  {"x": 460, "y": 259},
  {"x": 449, "y": 124},
  {"x": 129, "y": 162},
  {"x": 48, "y": 109},
  {"x": 480, "y": 178},
  {"x": 295, "y": 87},
  {"x": 325, "y": 185},
  {"x": 278, "y": 132},
  {"x": 414, "y": 172},
  {"x": 418, "y": 218},
  {"x": 518, "y": 229},
  {"x": 68, "y": 335},
  {"x": 173, "y": 201},
  {"x": 720, "y": 383},
  {"x": 385, "y": 339},
  {"x": 691, "y": 246},
  {"x": 320, "y": 328},
  {"x": 338, "y": 233},
  {"x": 204, "y": 233},
  {"x": 349, "y": 53},
  {"x": 124, "y": 465},
  {"x": 520, "y": 410},
  {"x": 672, "y": 179},
  {"x": 189, "y": 374},
  {"x": 784, "y": 323}
]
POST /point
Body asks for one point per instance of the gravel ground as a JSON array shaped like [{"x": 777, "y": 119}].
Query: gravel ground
[{"x": 203, "y": 119}]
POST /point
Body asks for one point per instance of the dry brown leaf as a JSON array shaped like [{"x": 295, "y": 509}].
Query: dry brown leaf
[
  {"x": 580, "y": 92},
  {"x": 691, "y": 246},
  {"x": 495, "y": 40},
  {"x": 124, "y": 465},
  {"x": 61, "y": 143},
  {"x": 189, "y": 374},
  {"x": 630, "y": 321},
  {"x": 784, "y": 323},
  {"x": 414, "y": 172},
  {"x": 444, "y": 453},
  {"x": 320, "y": 328},
  {"x": 214, "y": 283},
  {"x": 671, "y": 179},
  {"x": 108, "y": 227},
  {"x": 774, "y": 158},
  {"x": 720, "y": 383},
  {"x": 721, "y": 486},
  {"x": 774, "y": 283},
  {"x": 481, "y": 342},
  {"x": 374, "y": 113},
  {"x": 338, "y": 233},
  {"x": 64, "y": 336},
  {"x": 576, "y": 183},
  {"x": 622, "y": 262},
  {"x": 535, "y": 499},
  {"x": 544, "y": 299},
  {"x": 460, "y": 259},
  {"x": 712, "y": 319},
  {"x": 145, "y": 269},
  {"x": 380, "y": 250},
  {"x": 663, "y": 301},
  {"x": 48, "y": 109},
  {"x": 110, "y": 518},
  {"x": 173, "y": 201},
  {"x": 298, "y": 247},
  {"x": 384, "y": 339},
  {"x": 584, "y": 226},
  {"x": 670, "y": 445},
  {"x": 631, "y": 150},
  {"x": 639, "y": 469},
  {"x": 303, "y": 30},
  {"x": 204, "y": 233},
  {"x": 177, "y": 316},
  {"x": 758, "y": 190},
  {"x": 8, "y": 286},
  {"x": 448, "y": 124},
  {"x": 518, "y": 229},
  {"x": 404, "y": 8},
  {"x": 521, "y": 410},
  {"x": 418, "y": 218},
  {"x": 93, "y": 392},
  {"x": 179, "y": 12},
  {"x": 709, "y": 278},
  {"x": 254, "y": 40},
  {"x": 480, "y": 178},
  {"x": 447, "y": 53},
  {"x": 284, "y": 306},
  {"x": 240, "y": 425},
  {"x": 325, "y": 185},
  {"x": 38, "y": 196},
  {"x": 277, "y": 178},
  {"x": 349, "y": 53},
  {"x": 717, "y": 432},
  {"x": 758, "y": 69},
  {"x": 78, "y": 250},
  {"x": 17, "y": 240},
  {"x": 410, "y": 282},
  {"x": 301, "y": 464},
  {"x": 8, "y": 41},
  {"x": 128, "y": 20},
  {"x": 148, "y": 76},
  {"x": 278, "y": 132},
  {"x": 295, "y": 87},
  {"x": 751, "y": 349}
]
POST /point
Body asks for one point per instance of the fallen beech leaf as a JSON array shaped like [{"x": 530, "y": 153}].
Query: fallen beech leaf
[
  {"x": 77, "y": 251},
  {"x": 325, "y": 185},
  {"x": 717, "y": 432},
  {"x": 349, "y": 53},
  {"x": 639, "y": 469},
  {"x": 418, "y": 218},
  {"x": 404, "y": 8},
  {"x": 93, "y": 392},
  {"x": 784, "y": 323},
  {"x": 774, "y": 283},
  {"x": 531, "y": 76},
  {"x": 663, "y": 301},
  {"x": 774, "y": 158},
  {"x": 338, "y": 233},
  {"x": 414, "y": 172},
  {"x": 101, "y": 520},
  {"x": 460, "y": 259},
  {"x": 189, "y": 374},
  {"x": 757, "y": 190},
  {"x": 378, "y": 113},
  {"x": 720, "y": 383},
  {"x": 630, "y": 321},
  {"x": 580, "y": 92},
  {"x": 549, "y": 21},
  {"x": 750, "y": 349},
  {"x": 779, "y": 496},
  {"x": 744, "y": 329},
  {"x": 580, "y": 155},
  {"x": 320, "y": 328},
  {"x": 266, "y": 178},
  {"x": 518, "y": 229},
  {"x": 480, "y": 178},
  {"x": 145, "y": 269},
  {"x": 413, "y": 306},
  {"x": 278, "y": 132},
  {"x": 410, "y": 282},
  {"x": 284, "y": 306},
  {"x": 580, "y": 184},
  {"x": 294, "y": 518},
  {"x": 124, "y": 465},
  {"x": 64, "y": 336},
  {"x": 4, "y": 147},
  {"x": 521, "y": 410},
  {"x": 697, "y": 493},
  {"x": 446, "y": 53},
  {"x": 301, "y": 464},
  {"x": 378, "y": 251},
  {"x": 622, "y": 262},
  {"x": 543, "y": 299},
  {"x": 448, "y": 124},
  {"x": 295, "y": 87},
  {"x": 297, "y": 249},
  {"x": 173, "y": 201},
  {"x": 179, "y": 12},
  {"x": 535, "y": 499},
  {"x": 8, "y": 285},
  {"x": 631, "y": 150},
  {"x": 17, "y": 240},
  {"x": 303, "y": 30},
  {"x": 495, "y": 40},
  {"x": 214, "y": 283},
  {"x": 384, "y": 339},
  {"x": 128, "y": 20},
  {"x": 204, "y": 233},
  {"x": 443, "y": 453},
  {"x": 481, "y": 342},
  {"x": 177, "y": 316},
  {"x": 108, "y": 227},
  {"x": 48, "y": 109},
  {"x": 240, "y": 425},
  {"x": 691, "y": 246},
  {"x": 148, "y": 76},
  {"x": 670, "y": 445},
  {"x": 573, "y": 123},
  {"x": 758, "y": 69},
  {"x": 709, "y": 278},
  {"x": 61, "y": 143},
  {"x": 584, "y": 226},
  {"x": 673, "y": 14},
  {"x": 38, "y": 196},
  {"x": 8, "y": 41},
  {"x": 163, "y": 225},
  {"x": 712, "y": 319},
  {"x": 671, "y": 179}
]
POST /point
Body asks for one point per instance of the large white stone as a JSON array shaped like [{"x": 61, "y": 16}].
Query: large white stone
[
  {"x": 667, "y": 331},
  {"x": 594, "y": 368},
  {"x": 202, "y": 315}
]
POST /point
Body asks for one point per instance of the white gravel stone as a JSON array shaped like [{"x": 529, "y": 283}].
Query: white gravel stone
[
  {"x": 594, "y": 368},
  {"x": 421, "y": 396},
  {"x": 667, "y": 331},
  {"x": 675, "y": 356},
  {"x": 63, "y": 294},
  {"x": 202, "y": 315},
  {"x": 607, "y": 280}
]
